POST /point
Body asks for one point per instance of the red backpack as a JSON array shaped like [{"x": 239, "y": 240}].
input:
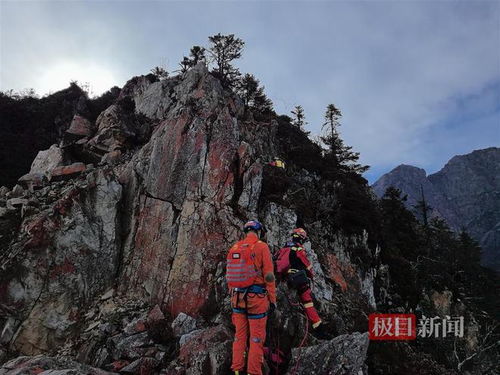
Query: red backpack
[
  {"x": 283, "y": 260},
  {"x": 240, "y": 269}
]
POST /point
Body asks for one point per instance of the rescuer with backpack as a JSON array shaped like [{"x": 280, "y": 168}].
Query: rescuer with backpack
[
  {"x": 250, "y": 277},
  {"x": 293, "y": 266}
]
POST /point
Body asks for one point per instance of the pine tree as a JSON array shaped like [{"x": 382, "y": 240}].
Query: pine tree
[
  {"x": 299, "y": 118},
  {"x": 159, "y": 72},
  {"x": 224, "y": 50},
  {"x": 196, "y": 54},
  {"x": 423, "y": 208},
  {"x": 338, "y": 153},
  {"x": 252, "y": 94}
]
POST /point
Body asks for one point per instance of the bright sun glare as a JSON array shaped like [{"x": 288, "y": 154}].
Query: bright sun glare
[{"x": 58, "y": 76}]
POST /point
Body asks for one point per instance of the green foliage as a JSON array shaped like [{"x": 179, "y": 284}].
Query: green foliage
[
  {"x": 249, "y": 89},
  {"x": 339, "y": 155},
  {"x": 224, "y": 50},
  {"x": 299, "y": 118},
  {"x": 159, "y": 72},
  {"x": 196, "y": 55}
]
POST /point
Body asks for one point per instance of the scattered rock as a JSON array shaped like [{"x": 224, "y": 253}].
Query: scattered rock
[
  {"x": 46, "y": 365},
  {"x": 109, "y": 294},
  {"x": 16, "y": 202},
  {"x": 17, "y": 191},
  {"x": 32, "y": 181},
  {"x": 66, "y": 172},
  {"x": 344, "y": 355},
  {"x": 3, "y": 191}
]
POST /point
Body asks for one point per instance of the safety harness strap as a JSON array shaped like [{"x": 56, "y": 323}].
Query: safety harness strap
[{"x": 256, "y": 316}]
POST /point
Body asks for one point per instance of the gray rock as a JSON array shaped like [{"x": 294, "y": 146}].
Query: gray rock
[
  {"x": 16, "y": 202},
  {"x": 47, "y": 160},
  {"x": 344, "y": 355},
  {"x": 131, "y": 347},
  {"x": 183, "y": 324},
  {"x": 17, "y": 191},
  {"x": 3, "y": 191}
]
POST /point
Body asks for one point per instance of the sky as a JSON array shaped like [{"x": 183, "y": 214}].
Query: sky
[{"x": 417, "y": 81}]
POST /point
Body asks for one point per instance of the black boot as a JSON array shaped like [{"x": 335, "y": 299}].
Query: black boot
[{"x": 319, "y": 332}]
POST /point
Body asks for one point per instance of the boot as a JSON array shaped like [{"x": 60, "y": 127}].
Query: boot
[{"x": 319, "y": 332}]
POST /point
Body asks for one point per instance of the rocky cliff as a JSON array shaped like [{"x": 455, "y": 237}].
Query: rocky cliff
[
  {"x": 466, "y": 193},
  {"x": 113, "y": 245}
]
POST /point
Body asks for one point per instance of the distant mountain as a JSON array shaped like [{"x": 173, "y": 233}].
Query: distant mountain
[{"x": 466, "y": 193}]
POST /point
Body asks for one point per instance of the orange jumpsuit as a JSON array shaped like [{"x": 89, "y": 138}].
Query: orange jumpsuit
[
  {"x": 299, "y": 261},
  {"x": 250, "y": 310}
]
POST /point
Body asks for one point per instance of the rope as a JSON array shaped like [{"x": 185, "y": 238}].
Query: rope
[
  {"x": 300, "y": 346},
  {"x": 302, "y": 312}
]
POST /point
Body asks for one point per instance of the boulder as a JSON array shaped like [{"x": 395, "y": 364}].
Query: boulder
[
  {"x": 16, "y": 202},
  {"x": 142, "y": 366},
  {"x": 80, "y": 126},
  {"x": 209, "y": 352},
  {"x": 183, "y": 324},
  {"x": 116, "y": 127},
  {"x": 32, "y": 181},
  {"x": 17, "y": 191},
  {"x": 344, "y": 355},
  {"x": 3, "y": 191},
  {"x": 67, "y": 172},
  {"x": 47, "y": 160},
  {"x": 131, "y": 347}
]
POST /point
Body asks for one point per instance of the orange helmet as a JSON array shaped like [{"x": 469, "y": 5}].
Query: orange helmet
[{"x": 299, "y": 234}]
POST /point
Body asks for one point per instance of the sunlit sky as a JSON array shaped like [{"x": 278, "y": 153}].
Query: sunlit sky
[{"x": 417, "y": 82}]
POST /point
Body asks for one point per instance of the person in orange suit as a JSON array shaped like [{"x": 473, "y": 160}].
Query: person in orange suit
[{"x": 250, "y": 277}]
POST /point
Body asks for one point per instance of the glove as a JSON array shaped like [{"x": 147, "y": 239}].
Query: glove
[{"x": 272, "y": 307}]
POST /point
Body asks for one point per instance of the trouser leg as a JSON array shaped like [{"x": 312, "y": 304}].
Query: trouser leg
[
  {"x": 305, "y": 296},
  {"x": 240, "y": 322},
  {"x": 256, "y": 351}
]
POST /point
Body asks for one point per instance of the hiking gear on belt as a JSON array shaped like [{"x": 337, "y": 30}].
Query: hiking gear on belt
[
  {"x": 252, "y": 225},
  {"x": 297, "y": 278},
  {"x": 240, "y": 268}
]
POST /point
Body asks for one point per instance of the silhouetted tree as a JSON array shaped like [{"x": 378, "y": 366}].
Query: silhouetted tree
[
  {"x": 252, "y": 94},
  {"x": 159, "y": 72},
  {"x": 196, "y": 55},
  {"x": 340, "y": 155},
  {"x": 423, "y": 208},
  {"x": 224, "y": 50},
  {"x": 299, "y": 118}
]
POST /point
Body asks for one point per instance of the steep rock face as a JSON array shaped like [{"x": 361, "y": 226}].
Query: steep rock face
[
  {"x": 466, "y": 193},
  {"x": 154, "y": 221},
  {"x": 65, "y": 253}
]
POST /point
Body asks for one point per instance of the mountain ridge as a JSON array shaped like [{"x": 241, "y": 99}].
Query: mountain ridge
[{"x": 465, "y": 192}]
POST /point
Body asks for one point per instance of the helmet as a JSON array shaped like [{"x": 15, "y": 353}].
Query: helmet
[
  {"x": 299, "y": 234},
  {"x": 252, "y": 225}
]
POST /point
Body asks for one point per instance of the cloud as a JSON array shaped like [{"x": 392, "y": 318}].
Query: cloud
[{"x": 401, "y": 72}]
